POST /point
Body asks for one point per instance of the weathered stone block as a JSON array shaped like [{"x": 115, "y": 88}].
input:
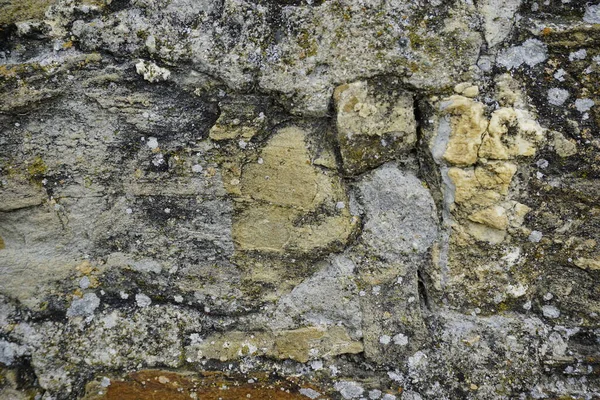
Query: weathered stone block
[{"x": 375, "y": 124}]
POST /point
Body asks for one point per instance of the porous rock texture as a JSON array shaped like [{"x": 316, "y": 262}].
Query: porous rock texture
[{"x": 286, "y": 199}]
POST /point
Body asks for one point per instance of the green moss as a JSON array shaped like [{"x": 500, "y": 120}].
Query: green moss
[
  {"x": 36, "y": 169},
  {"x": 308, "y": 44},
  {"x": 23, "y": 10}
]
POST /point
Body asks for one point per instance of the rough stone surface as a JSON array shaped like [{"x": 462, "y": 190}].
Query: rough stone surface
[
  {"x": 322, "y": 199},
  {"x": 372, "y": 127}
]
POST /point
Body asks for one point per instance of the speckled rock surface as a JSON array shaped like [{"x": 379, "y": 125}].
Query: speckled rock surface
[{"x": 324, "y": 199}]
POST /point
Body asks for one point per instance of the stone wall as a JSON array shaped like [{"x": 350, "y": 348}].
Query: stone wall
[{"x": 287, "y": 199}]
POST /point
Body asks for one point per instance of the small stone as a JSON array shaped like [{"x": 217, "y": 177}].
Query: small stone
[
  {"x": 374, "y": 394},
  {"x": 128, "y": 211},
  {"x": 105, "y": 382},
  {"x": 178, "y": 299},
  {"x": 548, "y": 296},
  {"x": 197, "y": 168},
  {"x": 388, "y": 397},
  {"x": 471, "y": 91}
]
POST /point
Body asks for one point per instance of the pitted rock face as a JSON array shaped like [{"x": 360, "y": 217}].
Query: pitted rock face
[
  {"x": 381, "y": 199},
  {"x": 401, "y": 218}
]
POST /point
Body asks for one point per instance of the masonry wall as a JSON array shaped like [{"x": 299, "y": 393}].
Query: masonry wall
[{"x": 369, "y": 199}]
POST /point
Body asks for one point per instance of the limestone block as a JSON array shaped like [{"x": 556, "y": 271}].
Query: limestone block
[
  {"x": 468, "y": 123},
  {"x": 288, "y": 204},
  {"x": 373, "y": 126}
]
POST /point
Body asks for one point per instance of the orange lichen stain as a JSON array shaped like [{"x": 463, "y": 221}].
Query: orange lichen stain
[
  {"x": 156, "y": 384},
  {"x": 85, "y": 267},
  {"x": 546, "y": 31}
]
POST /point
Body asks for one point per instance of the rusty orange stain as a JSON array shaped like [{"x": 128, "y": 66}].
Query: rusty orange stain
[{"x": 160, "y": 385}]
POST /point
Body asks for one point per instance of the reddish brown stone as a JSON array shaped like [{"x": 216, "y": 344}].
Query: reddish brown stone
[{"x": 162, "y": 385}]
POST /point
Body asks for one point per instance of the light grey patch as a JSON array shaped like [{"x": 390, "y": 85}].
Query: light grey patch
[
  {"x": 535, "y": 236},
  {"x": 592, "y": 14},
  {"x": 560, "y": 75},
  {"x": 142, "y": 300},
  {"x": 550, "y": 312},
  {"x": 578, "y": 55},
  {"x": 557, "y": 96},
  {"x": 147, "y": 265},
  {"x": 531, "y": 53},
  {"x": 84, "y": 307},
  {"x": 349, "y": 389},
  {"x": 583, "y": 105},
  {"x": 326, "y": 298},
  {"x": 9, "y": 351},
  {"x": 400, "y": 213},
  {"x": 400, "y": 339},
  {"x": 310, "y": 393},
  {"x": 105, "y": 382},
  {"x": 542, "y": 163},
  {"x": 84, "y": 282},
  {"x": 485, "y": 64},
  {"x": 410, "y": 395}
]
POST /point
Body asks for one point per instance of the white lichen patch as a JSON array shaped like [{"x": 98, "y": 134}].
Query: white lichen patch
[
  {"x": 592, "y": 14},
  {"x": 9, "y": 351},
  {"x": 84, "y": 307},
  {"x": 557, "y": 96},
  {"x": 349, "y": 389},
  {"x": 310, "y": 393},
  {"x": 385, "y": 339},
  {"x": 560, "y": 75},
  {"x": 152, "y": 143},
  {"x": 531, "y": 53},
  {"x": 400, "y": 339},
  {"x": 535, "y": 236},
  {"x": 152, "y": 72},
  {"x": 550, "y": 312},
  {"x": 142, "y": 300},
  {"x": 583, "y": 105},
  {"x": 580, "y": 54}
]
